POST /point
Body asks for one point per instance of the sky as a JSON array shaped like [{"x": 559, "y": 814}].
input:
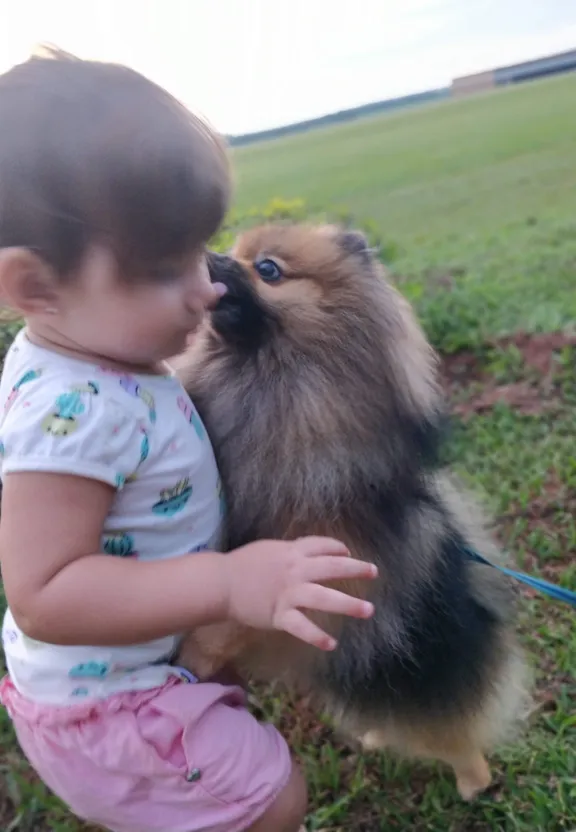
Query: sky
[{"x": 248, "y": 65}]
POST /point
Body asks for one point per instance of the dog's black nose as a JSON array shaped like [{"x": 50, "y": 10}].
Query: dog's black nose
[{"x": 219, "y": 265}]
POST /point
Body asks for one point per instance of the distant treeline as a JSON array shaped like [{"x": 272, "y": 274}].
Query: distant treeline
[{"x": 342, "y": 115}]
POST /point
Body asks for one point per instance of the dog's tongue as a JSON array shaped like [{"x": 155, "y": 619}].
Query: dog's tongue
[{"x": 220, "y": 289}]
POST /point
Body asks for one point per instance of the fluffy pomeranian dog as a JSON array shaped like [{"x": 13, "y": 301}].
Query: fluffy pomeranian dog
[{"x": 321, "y": 396}]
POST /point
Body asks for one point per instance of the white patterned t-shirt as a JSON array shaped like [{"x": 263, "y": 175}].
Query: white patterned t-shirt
[{"x": 140, "y": 434}]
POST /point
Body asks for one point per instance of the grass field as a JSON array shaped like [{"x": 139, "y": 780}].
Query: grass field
[
  {"x": 475, "y": 205},
  {"x": 478, "y": 193}
]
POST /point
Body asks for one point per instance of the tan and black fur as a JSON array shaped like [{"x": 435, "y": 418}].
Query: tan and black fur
[{"x": 321, "y": 396}]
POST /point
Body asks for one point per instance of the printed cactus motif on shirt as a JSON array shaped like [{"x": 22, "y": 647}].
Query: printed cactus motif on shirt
[
  {"x": 191, "y": 414},
  {"x": 120, "y": 544},
  {"x": 67, "y": 407},
  {"x": 129, "y": 384},
  {"x": 89, "y": 670},
  {"x": 173, "y": 500},
  {"x": 29, "y": 376}
]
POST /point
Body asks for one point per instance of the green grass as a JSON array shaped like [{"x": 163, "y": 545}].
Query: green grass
[
  {"x": 475, "y": 204},
  {"x": 477, "y": 196}
]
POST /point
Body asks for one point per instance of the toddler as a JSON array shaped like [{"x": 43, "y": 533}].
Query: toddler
[{"x": 112, "y": 510}]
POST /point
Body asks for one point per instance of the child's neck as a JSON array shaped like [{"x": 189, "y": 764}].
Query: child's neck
[{"x": 58, "y": 345}]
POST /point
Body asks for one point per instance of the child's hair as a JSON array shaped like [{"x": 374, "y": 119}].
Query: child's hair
[{"x": 94, "y": 152}]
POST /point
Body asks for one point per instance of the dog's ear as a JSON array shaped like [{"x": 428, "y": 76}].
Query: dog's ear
[{"x": 355, "y": 242}]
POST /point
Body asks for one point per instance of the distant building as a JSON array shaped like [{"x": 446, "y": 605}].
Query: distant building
[
  {"x": 468, "y": 84},
  {"x": 463, "y": 86},
  {"x": 515, "y": 74}
]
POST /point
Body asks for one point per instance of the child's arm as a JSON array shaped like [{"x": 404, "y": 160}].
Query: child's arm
[{"x": 62, "y": 590}]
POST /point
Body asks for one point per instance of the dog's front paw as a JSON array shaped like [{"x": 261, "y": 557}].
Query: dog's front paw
[
  {"x": 191, "y": 658},
  {"x": 210, "y": 648}
]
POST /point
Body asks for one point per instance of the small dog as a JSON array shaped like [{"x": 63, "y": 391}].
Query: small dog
[{"x": 321, "y": 396}]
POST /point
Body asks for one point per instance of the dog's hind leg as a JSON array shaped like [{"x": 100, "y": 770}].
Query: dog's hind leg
[
  {"x": 470, "y": 767},
  {"x": 468, "y": 762},
  {"x": 472, "y": 774}
]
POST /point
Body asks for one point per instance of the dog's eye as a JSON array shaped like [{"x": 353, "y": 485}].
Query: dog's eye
[{"x": 268, "y": 270}]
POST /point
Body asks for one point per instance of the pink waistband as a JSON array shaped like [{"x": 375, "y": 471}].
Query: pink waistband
[{"x": 38, "y": 713}]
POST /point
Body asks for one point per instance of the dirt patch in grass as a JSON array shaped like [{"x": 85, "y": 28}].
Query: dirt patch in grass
[
  {"x": 539, "y": 351},
  {"x": 542, "y": 513},
  {"x": 520, "y": 371},
  {"x": 520, "y": 396},
  {"x": 527, "y": 374}
]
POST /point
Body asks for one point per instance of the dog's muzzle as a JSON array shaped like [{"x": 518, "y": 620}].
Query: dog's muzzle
[{"x": 240, "y": 316}]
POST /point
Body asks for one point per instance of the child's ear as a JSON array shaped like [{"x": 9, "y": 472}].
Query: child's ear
[{"x": 27, "y": 283}]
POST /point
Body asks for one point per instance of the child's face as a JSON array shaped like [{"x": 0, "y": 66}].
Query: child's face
[{"x": 137, "y": 323}]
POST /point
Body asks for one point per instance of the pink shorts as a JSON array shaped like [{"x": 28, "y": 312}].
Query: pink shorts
[{"x": 180, "y": 758}]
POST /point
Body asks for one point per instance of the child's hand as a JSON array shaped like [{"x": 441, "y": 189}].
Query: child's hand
[{"x": 271, "y": 581}]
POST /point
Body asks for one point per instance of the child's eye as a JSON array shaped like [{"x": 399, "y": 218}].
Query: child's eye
[{"x": 178, "y": 268}]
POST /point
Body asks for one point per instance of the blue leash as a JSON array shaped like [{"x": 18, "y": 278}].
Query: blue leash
[{"x": 556, "y": 592}]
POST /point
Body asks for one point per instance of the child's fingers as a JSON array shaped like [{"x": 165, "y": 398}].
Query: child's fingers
[
  {"x": 298, "y": 625},
  {"x": 324, "y": 599},
  {"x": 330, "y": 568}
]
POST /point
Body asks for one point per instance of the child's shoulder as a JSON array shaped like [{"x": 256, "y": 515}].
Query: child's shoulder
[
  {"x": 40, "y": 374},
  {"x": 66, "y": 415},
  {"x": 42, "y": 378}
]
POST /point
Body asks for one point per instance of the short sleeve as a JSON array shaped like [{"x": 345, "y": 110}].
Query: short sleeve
[{"x": 70, "y": 429}]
